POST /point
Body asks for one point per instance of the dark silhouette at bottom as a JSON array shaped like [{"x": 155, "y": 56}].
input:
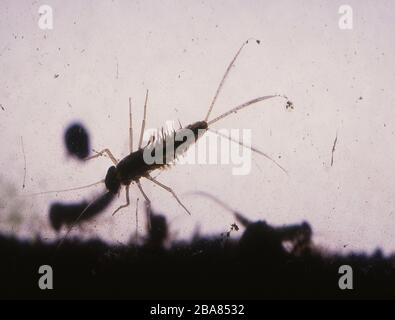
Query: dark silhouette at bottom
[{"x": 266, "y": 262}]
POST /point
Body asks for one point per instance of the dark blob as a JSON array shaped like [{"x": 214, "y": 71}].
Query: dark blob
[
  {"x": 76, "y": 139},
  {"x": 66, "y": 214},
  {"x": 158, "y": 231},
  {"x": 263, "y": 241}
]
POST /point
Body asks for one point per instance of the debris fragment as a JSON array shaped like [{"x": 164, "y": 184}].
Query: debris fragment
[
  {"x": 333, "y": 149},
  {"x": 234, "y": 227}
]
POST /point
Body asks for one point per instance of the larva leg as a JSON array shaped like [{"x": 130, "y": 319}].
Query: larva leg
[
  {"x": 143, "y": 193},
  {"x": 127, "y": 201},
  {"x": 130, "y": 127},
  {"x": 169, "y": 190},
  {"x": 144, "y": 118},
  {"x": 98, "y": 154},
  {"x": 137, "y": 221},
  {"x": 147, "y": 204}
]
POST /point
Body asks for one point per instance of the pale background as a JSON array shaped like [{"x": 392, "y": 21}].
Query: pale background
[{"x": 179, "y": 50}]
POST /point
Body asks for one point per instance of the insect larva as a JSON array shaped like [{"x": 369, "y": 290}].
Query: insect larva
[{"x": 134, "y": 166}]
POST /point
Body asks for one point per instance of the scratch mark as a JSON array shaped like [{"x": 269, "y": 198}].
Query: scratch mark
[
  {"x": 24, "y": 168},
  {"x": 333, "y": 149}
]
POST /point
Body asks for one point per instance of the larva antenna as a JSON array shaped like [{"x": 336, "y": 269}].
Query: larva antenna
[
  {"x": 238, "y": 215},
  {"x": 73, "y": 224},
  {"x": 246, "y": 104},
  {"x": 225, "y": 76},
  {"x": 251, "y": 148},
  {"x": 144, "y": 119},
  {"x": 215, "y": 199},
  {"x": 65, "y": 190}
]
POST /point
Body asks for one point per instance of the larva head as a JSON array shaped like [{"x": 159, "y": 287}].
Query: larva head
[{"x": 112, "y": 181}]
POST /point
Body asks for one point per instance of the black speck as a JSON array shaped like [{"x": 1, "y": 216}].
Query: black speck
[
  {"x": 76, "y": 139},
  {"x": 289, "y": 105}
]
